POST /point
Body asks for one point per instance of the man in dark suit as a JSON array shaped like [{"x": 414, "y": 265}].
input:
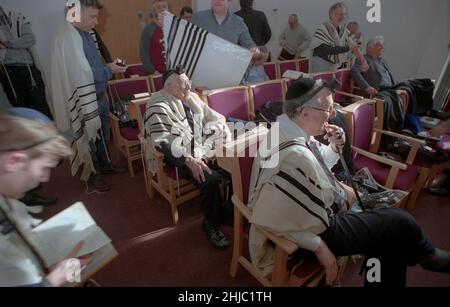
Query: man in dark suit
[{"x": 378, "y": 76}]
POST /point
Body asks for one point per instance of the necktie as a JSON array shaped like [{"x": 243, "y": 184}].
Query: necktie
[{"x": 315, "y": 150}]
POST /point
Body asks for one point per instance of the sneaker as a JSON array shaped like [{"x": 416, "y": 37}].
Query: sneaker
[
  {"x": 97, "y": 187},
  {"x": 215, "y": 235}
]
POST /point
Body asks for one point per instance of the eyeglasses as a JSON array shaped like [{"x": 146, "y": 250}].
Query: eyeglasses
[{"x": 330, "y": 110}]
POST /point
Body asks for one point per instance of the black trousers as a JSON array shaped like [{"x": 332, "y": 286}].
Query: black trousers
[
  {"x": 213, "y": 206},
  {"x": 390, "y": 235},
  {"x": 28, "y": 94}
]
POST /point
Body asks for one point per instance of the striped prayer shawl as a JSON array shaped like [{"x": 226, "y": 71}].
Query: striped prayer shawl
[
  {"x": 74, "y": 97},
  {"x": 166, "y": 121},
  {"x": 292, "y": 199},
  {"x": 195, "y": 49},
  {"x": 327, "y": 34}
]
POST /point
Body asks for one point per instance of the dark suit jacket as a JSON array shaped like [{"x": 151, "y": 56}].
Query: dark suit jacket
[{"x": 371, "y": 77}]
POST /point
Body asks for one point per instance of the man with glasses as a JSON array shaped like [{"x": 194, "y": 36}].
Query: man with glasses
[
  {"x": 331, "y": 42},
  {"x": 185, "y": 129},
  {"x": 300, "y": 199}
]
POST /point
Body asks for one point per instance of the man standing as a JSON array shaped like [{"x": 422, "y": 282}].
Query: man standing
[
  {"x": 331, "y": 42},
  {"x": 152, "y": 47},
  {"x": 176, "y": 123},
  {"x": 256, "y": 22},
  {"x": 221, "y": 22},
  {"x": 79, "y": 82},
  {"x": 19, "y": 76},
  {"x": 294, "y": 40},
  {"x": 377, "y": 76}
]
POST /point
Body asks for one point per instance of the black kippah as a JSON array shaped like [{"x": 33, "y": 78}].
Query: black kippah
[{"x": 299, "y": 87}]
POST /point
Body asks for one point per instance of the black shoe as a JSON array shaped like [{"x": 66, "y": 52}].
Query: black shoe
[
  {"x": 36, "y": 200},
  {"x": 215, "y": 235},
  {"x": 438, "y": 191}
]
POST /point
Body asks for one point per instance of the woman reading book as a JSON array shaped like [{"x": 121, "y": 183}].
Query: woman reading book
[{"x": 30, "y": 146}]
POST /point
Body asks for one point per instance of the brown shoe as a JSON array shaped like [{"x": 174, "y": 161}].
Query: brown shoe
[{"x": 99, "y": 187}]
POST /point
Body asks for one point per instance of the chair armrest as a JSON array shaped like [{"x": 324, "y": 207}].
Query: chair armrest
[
  {"x": 349, "y": 95},
  {"x": 380, "y": 159},
  {"x": 287, "y": 245},
  {"x": 401, "y": 136}
]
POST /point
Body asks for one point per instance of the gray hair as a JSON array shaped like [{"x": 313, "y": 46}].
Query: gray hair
[
  {"x": 336, "y": 6},
  {"x": 374, "y": 40}
]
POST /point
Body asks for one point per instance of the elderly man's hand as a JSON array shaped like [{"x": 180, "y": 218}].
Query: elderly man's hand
[
  {"x": 328, "y": 261},
  {"x": 2, "y": 46},
  {"x": 197, "y": 167},
  {"x": 371, "y": 91},
  {"x": 335, "y": 135}
]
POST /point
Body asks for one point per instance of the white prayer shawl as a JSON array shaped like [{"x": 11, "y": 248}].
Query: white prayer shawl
[
  {"x": 292, "y": 199},
  {"x": 18, "y": 266},
  {"x": 195, "y": 49},
  {"x": 327, "y": 34},
  {"x": 165, "y": 121},
  {"x": 74, "y": 97}
]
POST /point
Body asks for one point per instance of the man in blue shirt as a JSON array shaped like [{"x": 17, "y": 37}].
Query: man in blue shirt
[{"x": 102, "y": 73}]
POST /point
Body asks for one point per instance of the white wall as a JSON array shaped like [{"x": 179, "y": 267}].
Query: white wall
[{"x": 417, "y": 32}]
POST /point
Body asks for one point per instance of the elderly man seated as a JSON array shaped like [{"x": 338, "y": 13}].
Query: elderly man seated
[
  {"x": 294, "y": 194},
  {"x": 378, "y": 75},
  {"x": 185, "y": 129}
]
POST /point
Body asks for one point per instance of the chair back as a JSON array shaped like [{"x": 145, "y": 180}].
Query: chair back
[
  {"x": 134, "y": 70},
  {"x": 230, "y": 102},
  {"x": 262, "y": 93},
  {"x": 327, "y": 76},
  {"x": 303, "y": 65},
  {"x": 126, "y": 88},
  {"x": 361, "y": 122},
  {"x": 287, "y": 65},
  {"x": 271, "y": 70}
]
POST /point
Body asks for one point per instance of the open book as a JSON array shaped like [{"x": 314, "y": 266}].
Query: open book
[{"x": 55, "y": 238}]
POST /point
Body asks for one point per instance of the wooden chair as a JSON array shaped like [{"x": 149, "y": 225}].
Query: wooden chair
[
  {"x": 365, "y": 121},
  {"x": 230, "y": 102},
  {"x": 135, "y": 70},
  {"x": 126, "y": 139},
  {"x": 240, "y": 167},
  {"x": 261, "y": 93},
  {"x": 158, "y": 176}
]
